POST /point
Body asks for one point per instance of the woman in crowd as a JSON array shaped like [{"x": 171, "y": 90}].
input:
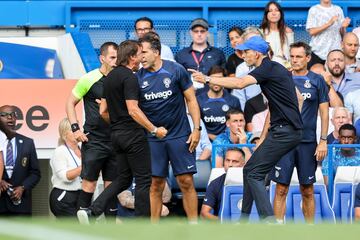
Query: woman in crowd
[
  {"x": 66, "y": 168},
  {"x": 234, "y": 59},
  {"x": 277, "y": 33}
]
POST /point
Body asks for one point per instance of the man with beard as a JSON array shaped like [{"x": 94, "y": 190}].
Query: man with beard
[{"x": 341, "y": 81}]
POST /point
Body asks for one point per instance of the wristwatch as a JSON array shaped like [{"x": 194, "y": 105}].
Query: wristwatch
[
  {"x": 323, "y": 138},
  {"x": 207, "y": 79},
  {"x": 153, "y": 132},
  {"x": 198, "y": 128}
]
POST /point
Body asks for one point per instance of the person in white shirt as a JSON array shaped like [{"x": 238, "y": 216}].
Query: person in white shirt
[
  {"x": 326, "y": 24},
  {"x": 66, "y": 169}
]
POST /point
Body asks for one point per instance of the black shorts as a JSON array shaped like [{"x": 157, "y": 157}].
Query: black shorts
[
  {"x": 63, "y": 203},
  {"x": 98, "y": 155}
]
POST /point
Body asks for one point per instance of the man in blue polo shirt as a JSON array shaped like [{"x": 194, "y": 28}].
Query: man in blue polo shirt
[
  {"x": 163, "y": 87},
  {"x": 277, "y": 139},
  {"x": 234, "y": 157},
  {"x": 305, "y": 156},
  {"x": 200, "y": 55},
  {"x": 215, "y": 103},
  {"x": 341, "y": 81}
]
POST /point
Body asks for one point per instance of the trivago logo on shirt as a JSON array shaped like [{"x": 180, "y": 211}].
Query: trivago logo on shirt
[
  {"x": 306, "y": 95},
  {"x": 157, "y": 95},
  {"x": 214, "y": 119}
]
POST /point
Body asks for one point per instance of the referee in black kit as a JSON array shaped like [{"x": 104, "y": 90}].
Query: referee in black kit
[
  {"x": 283, "y": 126},
  {"x": 120, "y": 107}
]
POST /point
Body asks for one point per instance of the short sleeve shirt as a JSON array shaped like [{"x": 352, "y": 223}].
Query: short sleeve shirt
[
  {"x": 330, "y": 38},
  {"x": 278, "y": 87},
  {"x": 162, "y": 98},
  {"x": 213, "y": 194},
  {"x": 314, "y": 91},
  {"x": 213, "y": 111},
  {"x": 121, "y": 85}
]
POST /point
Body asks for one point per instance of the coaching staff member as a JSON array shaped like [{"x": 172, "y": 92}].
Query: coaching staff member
[
  {"x": 283, "y": 134},
  {"x": 127, "y": 122}
]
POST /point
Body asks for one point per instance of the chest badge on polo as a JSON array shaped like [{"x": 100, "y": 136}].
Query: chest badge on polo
[
  {"x": 225, "y": 107},
  {"x": 24, "y": 162},
  {"x": 145, "y": 84},
  {"x": 307, "y": 84},
  {"x": 167, "y": 82}
]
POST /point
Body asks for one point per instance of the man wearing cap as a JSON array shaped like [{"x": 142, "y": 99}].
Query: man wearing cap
[
  {"x": 305, "y": 156},
  {"x": 282, "y": 135},
  {"x": 200, "y": 55}
]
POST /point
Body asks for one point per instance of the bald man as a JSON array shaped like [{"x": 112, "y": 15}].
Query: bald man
[{"x": 350, "y": 47}]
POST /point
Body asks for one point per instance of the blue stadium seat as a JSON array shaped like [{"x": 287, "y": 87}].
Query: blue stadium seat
[
  {"x": 231, "y": 202},
  {"x": 343, "y": 193},
  {"x": 201, "y": 179}
]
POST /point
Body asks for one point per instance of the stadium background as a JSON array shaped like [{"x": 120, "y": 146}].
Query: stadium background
[{"x": 90, "y": 23}]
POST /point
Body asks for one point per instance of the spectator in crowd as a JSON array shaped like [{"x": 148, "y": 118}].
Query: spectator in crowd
[
  {"x": 357, "y": 203},
  {"x": 96, "y": 150},
  {"x": 357, "y": 33},
  {"x": 326, "y": 24},
  {"x": 350, "y": 47},
  {"x": 343, "y": 156},
  {"x": 258, "y": 121},
  {"x": 163, "y": 87},
  {"x": 120, "y": 107},
  {"x": 234, "y": 59},
  {"x": 257, "y": 105},
  {"x": 352, "y": 103},
  {"x": 277, "y": 33},
  {"x": 200, "y": 55},
  {"x": 305, "y": 156},
  {"x": 203, "y": 149},
  {"x": 22, "y": 171},
  {"x": 215, "y": 103},
  {"x": 340, "y": 116},
  {"x": 234, "y": 134},
  {"x": 66, "y": 168},
  {"x": 342, "y": 82},
  {"x": 243, "y": 69},
  {"x": 144, "y": 25},
  {"x": 234, "y": 157}
]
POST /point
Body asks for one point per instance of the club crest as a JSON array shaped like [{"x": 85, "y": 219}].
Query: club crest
[
  {"x": 24, "y": 161},
  {"x": 307, "y": 84},
  {"x": 167, "y": 82},
  {"x": 225, "y": 107}
]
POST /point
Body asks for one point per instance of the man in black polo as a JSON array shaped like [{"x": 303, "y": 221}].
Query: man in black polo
[
  {"x": 285, "y": 131},
  {"x": 119, "y": 105}
]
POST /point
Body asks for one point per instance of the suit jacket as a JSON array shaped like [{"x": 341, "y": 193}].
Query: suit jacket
[{"x": 26, "y": 173}]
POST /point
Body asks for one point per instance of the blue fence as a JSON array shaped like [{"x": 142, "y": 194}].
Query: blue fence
[{"x": 331, "y": 150}]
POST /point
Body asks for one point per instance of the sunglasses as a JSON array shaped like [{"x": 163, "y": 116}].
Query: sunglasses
[
  {"x": 8, "y": 114},
  {"x": 199, "y": 31}
]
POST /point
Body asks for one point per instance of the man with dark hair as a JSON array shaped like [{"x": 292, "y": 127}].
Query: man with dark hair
[
  {"x": 234, "y": 134},
  {"x": 21, "y": 173},
  {"x": 282, "y": 136},
  {"x": 305, "y": 156},
  {"x": 119, "y": 105},
  {"x": 215, "y": 103},
  {"x": 343, "y": 156},
  {"x": 341, "y": 81},
  {"x": 96, "y": 150},
  {"x": 234, "y": 157},
  {"x": 144, "y": 25},
  {"x": 163, "y": 87}
]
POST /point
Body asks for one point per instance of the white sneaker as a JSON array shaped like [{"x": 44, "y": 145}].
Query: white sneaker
[{"x": 83, "y": 216}]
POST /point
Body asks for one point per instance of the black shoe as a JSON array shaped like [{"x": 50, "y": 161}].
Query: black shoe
[{"x": 83, "y": 216}]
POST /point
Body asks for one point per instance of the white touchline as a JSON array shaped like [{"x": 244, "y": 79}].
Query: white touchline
[{"x": 30, "y": 231}]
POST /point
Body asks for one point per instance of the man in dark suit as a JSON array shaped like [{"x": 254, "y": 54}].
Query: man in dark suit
[{"x": 21, "y": 172}]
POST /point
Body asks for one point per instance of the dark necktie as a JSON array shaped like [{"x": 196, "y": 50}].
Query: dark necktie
[{"x": 9, "y": 155}]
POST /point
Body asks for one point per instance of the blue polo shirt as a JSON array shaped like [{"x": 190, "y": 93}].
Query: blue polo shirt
[
  {"x": 213, "y": 111},
  {"x": 214, "y": 193},
  {"x": 349, "y": 83},
  {"x": 162, "y": 98},
  {"x": 209, "y": 57}
]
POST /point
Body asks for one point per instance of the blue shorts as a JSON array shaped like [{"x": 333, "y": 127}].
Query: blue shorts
[
  {"x": 302, "y": 157},
  {"x": 357, "y": 196},
  {"x": 175, "y": 151}
]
